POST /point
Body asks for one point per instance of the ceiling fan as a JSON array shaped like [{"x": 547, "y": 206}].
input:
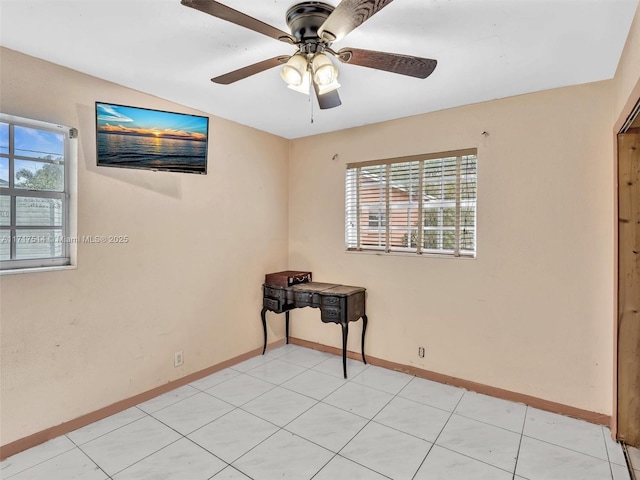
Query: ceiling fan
[{"x": 314, "y": 27}]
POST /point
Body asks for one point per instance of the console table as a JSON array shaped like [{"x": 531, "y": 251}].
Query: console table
[{"x": 339, "y": 304}]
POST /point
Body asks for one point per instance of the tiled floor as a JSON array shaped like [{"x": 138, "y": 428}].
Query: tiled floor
[{"x": 290, "y": 415}]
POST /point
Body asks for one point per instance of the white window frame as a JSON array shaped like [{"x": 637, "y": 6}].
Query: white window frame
[
  {"x": 357, "y": 208},
  {"x": 68, "y": 259}
]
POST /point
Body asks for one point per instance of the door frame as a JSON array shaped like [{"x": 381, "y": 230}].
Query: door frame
[{"x": 629, "y": 124}]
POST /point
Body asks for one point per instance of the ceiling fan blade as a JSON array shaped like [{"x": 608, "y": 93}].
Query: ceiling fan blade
[
  {"x": 327, "y": 100},
  {"x": 391, "y": 62},
  {"x": 347, "y": 16},
  {"x": 249, "y": 70},
  {"x": 230, "y": 15}
]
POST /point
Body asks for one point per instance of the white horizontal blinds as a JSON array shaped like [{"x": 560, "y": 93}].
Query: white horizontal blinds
[
  {"x": 425, "y": 204},
  {"x": 404, "y": 194},
  {"x": 372, "y": 212},
  {"x": 439, "y": 205},
  {"x": 468, "y": 199},
  {"x": 351, "y": 227}
]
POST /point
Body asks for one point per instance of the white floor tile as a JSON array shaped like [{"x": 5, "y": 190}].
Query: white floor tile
[
  {"x": 180, "y": 460},
  {"x": 233, "y": 435},
  {"x": 29, "y": 458},
  {"x": 106, "y": 425},
  {"x": 279, "y": 406},
  {"x": 383, "y": 379},
  {"x": 305, "y": 357},
  {"x": 501, "y": 413},
  {"x": 414, "y": 418},
  {"x": 121, "y": 448},
  {"x": 214, "y": 379},
  {"x": 486, "y": 443},
  {"x": 314, "y": 384},
  {"x": 358, "y": 399},
  {"x": 560, "y": 430},
  {"x": 443, "y": 464},
  {"x": 292, "y": 415},
  {"x": 340, "y": 468},
  {"x": 240, "y": 390},
  {"x": 252, "y": 363},
  {"x": 276, "y": 371},
  {"x": 230, "y": 473},
  {"x": 620, "y": 472},
  {"x": 333, "y": 366},
  {"x": 169, "y": 398},
  {"x": 328, "y": 426},
  {"x": 71, "y": 465},
  {"x": 279, "y": 351},
  {"x": 387, "y": 451},
  {"x": 543, "y": 461},
  {"x": 283, "y": 456},
  {"x": 614, "y": 449},
  {"x": 193, "y": 412},
  {"x": 431, "y": 393}
]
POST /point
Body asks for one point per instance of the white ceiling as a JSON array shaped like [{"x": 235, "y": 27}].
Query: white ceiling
[{"x": 486, "y": 49}]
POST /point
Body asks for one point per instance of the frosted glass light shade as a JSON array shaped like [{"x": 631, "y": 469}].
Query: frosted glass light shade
[
  {"x": 294, "y": 70},
  {"x": 324, "y": 72},
  {"x": 304, "y": 86}
]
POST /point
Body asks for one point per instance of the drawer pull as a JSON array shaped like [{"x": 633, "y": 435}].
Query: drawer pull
[{"x": 330, "y": 300}]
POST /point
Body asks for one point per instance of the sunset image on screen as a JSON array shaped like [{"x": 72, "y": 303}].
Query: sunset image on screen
[{"x": 141, "y": 138}]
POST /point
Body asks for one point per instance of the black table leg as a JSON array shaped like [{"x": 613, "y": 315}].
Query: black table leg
[
  {"x": 264, "y": 327},
  {"x": 345, "y": 334},
  {"x": 364, "y": 329},
  {"x": 286, "y": 316}
]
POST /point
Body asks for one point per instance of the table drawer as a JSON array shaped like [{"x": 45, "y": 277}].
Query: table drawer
[
  {"x": 331, "y": 301},
  {"x": 331, "y": 314},
  {"x": 271, "y": 304},
  {"x": 303, "y": 298},
  {"x": 278, "y": 293}
]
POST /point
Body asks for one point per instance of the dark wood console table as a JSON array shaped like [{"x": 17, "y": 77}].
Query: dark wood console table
[{"x": 339, "y": 304}]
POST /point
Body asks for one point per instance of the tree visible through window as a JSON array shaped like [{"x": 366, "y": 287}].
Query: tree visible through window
[{"x": 421, "y": 204}]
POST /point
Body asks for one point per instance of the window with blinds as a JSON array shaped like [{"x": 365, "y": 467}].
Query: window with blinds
[{"x": 424, "y": 204}]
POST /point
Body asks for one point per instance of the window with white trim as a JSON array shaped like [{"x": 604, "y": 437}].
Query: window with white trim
[
  {"x": 424, "y": 204},
  {"x": 35, "y": 162}
]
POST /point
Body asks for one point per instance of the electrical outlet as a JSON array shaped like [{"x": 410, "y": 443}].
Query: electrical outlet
[
  {"x": 421, "y": 352},
  {"x": 178, "y": 359}
]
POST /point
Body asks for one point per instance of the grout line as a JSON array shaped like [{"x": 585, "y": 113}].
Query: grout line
[
  {"x": 606, "y": 448},
  {"x": 524, "y": 421},
  {"x": 567, "y": 448},
  {"x": 440, "y": 433}
]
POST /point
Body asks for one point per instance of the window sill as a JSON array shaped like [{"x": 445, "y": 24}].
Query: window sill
[
  {"x": 382, "y": 253},
  {"x": 17, "y": 271}
]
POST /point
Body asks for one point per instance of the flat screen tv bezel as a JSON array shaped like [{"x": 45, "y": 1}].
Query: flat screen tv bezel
[{"x": 154, "y": 169}]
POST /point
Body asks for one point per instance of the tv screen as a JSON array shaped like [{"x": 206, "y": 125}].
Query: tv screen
[{"x": 132, "y": 137}]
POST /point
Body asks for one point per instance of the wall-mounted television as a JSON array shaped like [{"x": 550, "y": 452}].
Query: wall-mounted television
[{"x": 133, "y": 137}]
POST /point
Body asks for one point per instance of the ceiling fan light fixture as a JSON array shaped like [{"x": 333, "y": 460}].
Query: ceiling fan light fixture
[
  {"x": 324, "y": 71},
  {"x": 294, "y": 70},
  {"x": 304, "y": 87}
]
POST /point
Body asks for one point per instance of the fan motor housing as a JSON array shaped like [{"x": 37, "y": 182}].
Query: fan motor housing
[{"x": 305, "y": 19}]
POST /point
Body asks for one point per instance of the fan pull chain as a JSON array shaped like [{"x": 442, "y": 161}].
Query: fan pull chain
[{"x": 311, "y": 98}]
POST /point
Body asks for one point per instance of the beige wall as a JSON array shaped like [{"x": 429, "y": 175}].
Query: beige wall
[
  {"x": 189, "y": 278},
  {"x": 533, "y": 312}
]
